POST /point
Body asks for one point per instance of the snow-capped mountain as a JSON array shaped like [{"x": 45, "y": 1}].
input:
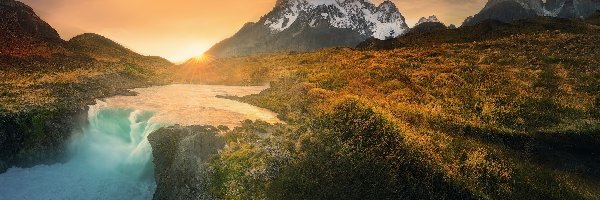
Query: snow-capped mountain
[
  {"x": 431, "y": 18},
  {"x": 381, "y": 21},
  {"x": 303, "y": 25},
  {"x": 510, "y": 10}
]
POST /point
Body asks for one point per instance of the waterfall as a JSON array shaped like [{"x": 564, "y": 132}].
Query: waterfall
[
  {"x": 111, "y": 158},
  {"x": 116, "y": 140}
]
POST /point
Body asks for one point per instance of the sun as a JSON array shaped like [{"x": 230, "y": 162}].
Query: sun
[{"x": 200, "y": 59}]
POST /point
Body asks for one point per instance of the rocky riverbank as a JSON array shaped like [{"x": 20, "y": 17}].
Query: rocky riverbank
[
  {"x": 37, "y": 136},
  {"x": 182, "y": 158}
]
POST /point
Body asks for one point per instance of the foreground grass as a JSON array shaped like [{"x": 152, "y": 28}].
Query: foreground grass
[{"x": 510, "y": 117}]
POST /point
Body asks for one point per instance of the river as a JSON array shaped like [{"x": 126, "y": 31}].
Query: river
[{"x": 111, "y": 157}]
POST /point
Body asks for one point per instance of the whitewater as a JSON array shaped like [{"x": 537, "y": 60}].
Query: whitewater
[{"x": 111, "y": 157}]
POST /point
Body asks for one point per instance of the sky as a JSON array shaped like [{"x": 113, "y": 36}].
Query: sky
[{"x": 181, "y": 29}]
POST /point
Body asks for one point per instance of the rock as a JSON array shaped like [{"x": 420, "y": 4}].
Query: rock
[
  {"x": 37, "y": 136},
  {"x": 181, "y": 159},
  {"x": 431, "y": 18}
]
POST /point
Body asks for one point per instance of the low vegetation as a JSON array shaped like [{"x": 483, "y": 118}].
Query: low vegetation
[{"x": 508, "y": 117}]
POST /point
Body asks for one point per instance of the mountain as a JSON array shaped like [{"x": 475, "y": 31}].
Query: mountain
[
  {"x": 511, "y": 10},
  {"x": 431, "y": 18},
  {"x": 428, "y": 24},
  {"x": 304, "y": 25},
  {"x": 486, "y": 30}
]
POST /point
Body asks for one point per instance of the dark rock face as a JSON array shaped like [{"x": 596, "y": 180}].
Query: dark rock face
[
  {"x": 298, "y": 37},
  {"x": 426, "y": 27},
  {"x": 36, "y": 137},
  {"x": 181, "y": 159},
  {"x": 304, "y": 25},
  {"x": 511, "y": 10},
  {"x": 19, "y": 20},
  {"x": 507, "y": 11}
]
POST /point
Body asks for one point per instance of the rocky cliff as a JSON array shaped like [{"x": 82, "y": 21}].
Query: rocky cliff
[{"x": 181, "y": 159}]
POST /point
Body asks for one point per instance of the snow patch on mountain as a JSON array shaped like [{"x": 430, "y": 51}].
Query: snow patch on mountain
[
  {"x": 383, "y": 21},
  {"x": 322, "y": 2},
  {"x": 431, "y": 18}
]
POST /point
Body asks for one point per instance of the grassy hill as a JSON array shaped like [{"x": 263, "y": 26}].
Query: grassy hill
[{"x": 495, "y": 111}]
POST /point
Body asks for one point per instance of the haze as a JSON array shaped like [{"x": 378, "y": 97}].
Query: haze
[{"x": 181, "y": 29}]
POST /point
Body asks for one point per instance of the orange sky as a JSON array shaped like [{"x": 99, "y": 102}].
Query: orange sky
[{"x": 180, "y": 29}]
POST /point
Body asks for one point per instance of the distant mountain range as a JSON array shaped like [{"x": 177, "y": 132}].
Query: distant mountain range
[
  {"x": 511, "y": 10},
  {"x": 304, "y": 25},
  {"x": 486, "y": 30}
]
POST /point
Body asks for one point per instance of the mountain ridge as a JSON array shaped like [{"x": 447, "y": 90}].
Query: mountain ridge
[
  {"x": 511, "y": 10},
  {"x": 304, "y": 25}
]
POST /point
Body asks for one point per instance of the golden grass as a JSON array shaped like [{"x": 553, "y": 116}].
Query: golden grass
[{"x": 525, "y": 85}]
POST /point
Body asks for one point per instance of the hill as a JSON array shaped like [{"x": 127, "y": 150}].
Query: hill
[
  {"x": 103, "y": 49},
  {"x": 509, "y": 111},
  {"x": 23, "y": 32}
]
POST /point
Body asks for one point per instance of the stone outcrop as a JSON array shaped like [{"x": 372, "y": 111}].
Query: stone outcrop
[{"x": 181, "y": 159}]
